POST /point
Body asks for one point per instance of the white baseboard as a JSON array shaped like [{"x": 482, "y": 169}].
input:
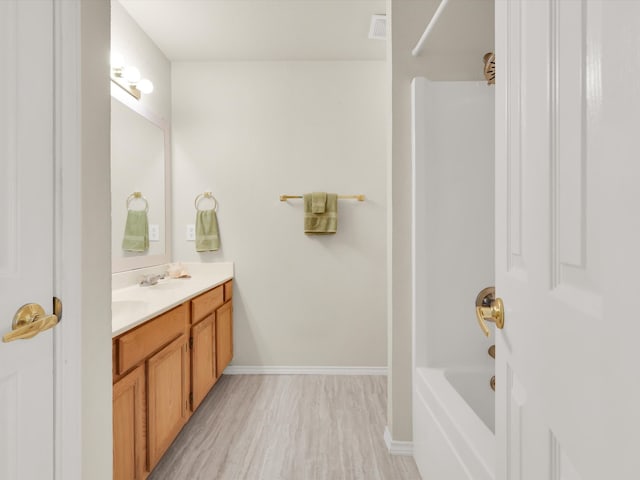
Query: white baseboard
[
  {"x": 288, "y": 370},
  {"x": 396, "y": 447}
]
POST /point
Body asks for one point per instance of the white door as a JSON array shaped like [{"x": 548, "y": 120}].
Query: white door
[
  {"x": 26, "y": 236},
  {"x": 568, "y": 239}
]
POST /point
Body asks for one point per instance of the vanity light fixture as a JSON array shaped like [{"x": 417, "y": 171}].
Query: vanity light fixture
[{"x": 128, "y": 77}]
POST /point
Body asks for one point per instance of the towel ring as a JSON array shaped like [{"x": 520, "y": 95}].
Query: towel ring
[
  {"x": 134, "y": 196},
  {"x": 204, "y": 195}
]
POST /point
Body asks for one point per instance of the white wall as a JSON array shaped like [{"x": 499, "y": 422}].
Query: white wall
[
  {"x": 453, "y": 220},
  {"x": 128, "y": 39},
  {"x": 250, "y": 131}
]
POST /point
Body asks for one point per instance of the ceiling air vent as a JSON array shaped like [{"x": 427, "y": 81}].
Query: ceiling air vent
[{"x": 378, "y": 28}]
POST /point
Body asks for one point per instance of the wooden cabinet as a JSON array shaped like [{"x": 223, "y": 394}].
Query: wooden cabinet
[
  {"x": 150, "y": 391},
  {"x": 212, "y": 339},
  {"x": 138, "y": 344},
  {"x": 129, "y": 408},
  {"x": 203, "y": 358},
  {"x": 168, "y": 396},
  {"x": 224, "y": 337},
  {"x": 162, "y": 370}
]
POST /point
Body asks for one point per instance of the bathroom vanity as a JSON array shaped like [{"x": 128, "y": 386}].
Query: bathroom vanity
[{"x": 165, "y": 363}]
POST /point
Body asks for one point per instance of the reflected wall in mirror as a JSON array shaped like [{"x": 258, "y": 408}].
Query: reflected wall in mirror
[{"x": 140, "y": 162}]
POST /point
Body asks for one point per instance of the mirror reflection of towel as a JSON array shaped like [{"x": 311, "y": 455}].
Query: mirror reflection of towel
[
  {"x": 207, "y": 237},
  {"x": 136, "y": 232}
]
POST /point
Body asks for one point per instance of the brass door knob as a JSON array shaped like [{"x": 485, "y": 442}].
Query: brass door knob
[{"x": 30, "y": 319}]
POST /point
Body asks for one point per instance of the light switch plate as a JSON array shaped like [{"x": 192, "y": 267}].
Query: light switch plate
[
  {"x": 191, "y": 233},
  {"x": 154, "y": 232}
]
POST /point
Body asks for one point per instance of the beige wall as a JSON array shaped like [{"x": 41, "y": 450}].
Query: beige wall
[
  {"x": 95, "y": 268},
  {"x": 250, "y": 131},
  {"x": 408, "y": 18}
]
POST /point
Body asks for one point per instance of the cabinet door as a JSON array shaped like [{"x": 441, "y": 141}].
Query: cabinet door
[
  {"x": 168, "y": 396},
  {"x": 224, "y": 337},
  {"x": 203, "y": 359},
  {"x": 128, "y": 426}
]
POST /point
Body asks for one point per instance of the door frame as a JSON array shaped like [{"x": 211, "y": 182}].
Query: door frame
[{"x": 82, "y": 252}]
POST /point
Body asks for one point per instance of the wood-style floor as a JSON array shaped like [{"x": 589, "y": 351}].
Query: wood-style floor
[{"x": 287, "y": 427}]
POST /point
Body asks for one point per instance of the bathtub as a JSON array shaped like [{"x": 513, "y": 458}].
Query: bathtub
[{"x": 453, "y": 436}]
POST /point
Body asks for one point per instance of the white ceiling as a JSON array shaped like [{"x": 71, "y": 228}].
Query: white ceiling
[{"x": 195, "y": 30}]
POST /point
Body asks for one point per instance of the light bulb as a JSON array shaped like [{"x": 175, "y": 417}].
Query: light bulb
[
  {"x": 117, "y": 60},
  {"x": 145, "y": 86},
  {"x": 131, "y": 74}
]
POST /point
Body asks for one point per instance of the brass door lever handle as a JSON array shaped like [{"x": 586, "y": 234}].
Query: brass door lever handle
[
  {"x": 30, "y": 319},
  {"x": 493, "y": 313},
  {"x": 489, "y": 309}
]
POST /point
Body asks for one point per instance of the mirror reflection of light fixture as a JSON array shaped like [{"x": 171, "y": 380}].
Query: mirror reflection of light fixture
[{"x": 128, "y": 77}]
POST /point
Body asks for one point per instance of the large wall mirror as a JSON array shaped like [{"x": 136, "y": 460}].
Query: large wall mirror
[{"x": 140, "y": 162}]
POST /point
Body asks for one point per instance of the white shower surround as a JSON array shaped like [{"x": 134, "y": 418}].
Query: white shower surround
[
  {"x": 455, "y": 438},
  {"x": 453, "y": 259}
]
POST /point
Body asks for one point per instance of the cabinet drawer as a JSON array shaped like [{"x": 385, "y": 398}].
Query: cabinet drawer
[
  {"x": 135, "y": 346},
  {"x": 228, "y": 291},
  {"x": 206, "y": 303}
]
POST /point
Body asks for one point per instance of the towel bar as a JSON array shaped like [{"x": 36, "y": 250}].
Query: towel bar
[
  {"x": 208, "y": 195},
  {"x": 139, "y": 195},
  {"x": 360, "y": 197}
]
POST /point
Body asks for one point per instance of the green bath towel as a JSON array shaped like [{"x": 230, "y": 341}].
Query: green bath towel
[
  {"x": 207, "y": 237},
  {"x": 321, "y": 223},
  {"x": 136, "y": 232}
]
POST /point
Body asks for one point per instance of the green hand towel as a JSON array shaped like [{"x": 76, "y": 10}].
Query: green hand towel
[
  {"x": 318, "y": 202},
  {"x": 207, "y": 238},
  {"x": 136, "y": 232},
  {"x": 321, "y": 223}
]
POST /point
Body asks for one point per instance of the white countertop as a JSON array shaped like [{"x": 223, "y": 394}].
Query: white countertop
[{"x": 132, "y": 304}]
